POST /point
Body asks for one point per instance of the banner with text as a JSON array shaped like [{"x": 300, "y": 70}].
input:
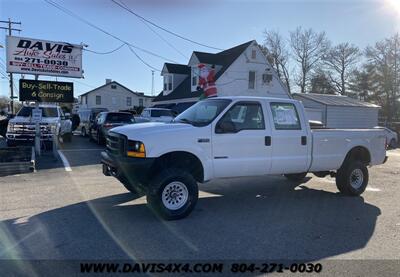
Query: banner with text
[
  {"x": 46, "y": 91},
  {"x": 43, "y": 57}
]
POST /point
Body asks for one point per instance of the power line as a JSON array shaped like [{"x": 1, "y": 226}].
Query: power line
[
  {"x": 70, "y": 13},
  {"x": 105, "y": 53},
  {"x": 137, "y": 56},
  {"x": 162, "y": 28},
  {"x": 157, "y": 34}
]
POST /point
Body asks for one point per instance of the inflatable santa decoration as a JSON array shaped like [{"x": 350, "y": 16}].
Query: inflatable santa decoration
[{"x": 207, "y": 81}]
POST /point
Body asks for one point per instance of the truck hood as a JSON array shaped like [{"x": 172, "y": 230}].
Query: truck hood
[
  {"x": 139, "y": 131},
  {"x": 25, "y": 120}
]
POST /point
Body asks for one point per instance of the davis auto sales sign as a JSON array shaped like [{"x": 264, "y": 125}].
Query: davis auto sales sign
[{"x": 43, "y": 57}]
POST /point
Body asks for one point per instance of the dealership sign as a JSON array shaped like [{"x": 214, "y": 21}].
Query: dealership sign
[
  {"x": 46, "y": 91},
  {"x": 43, "y": 57}
]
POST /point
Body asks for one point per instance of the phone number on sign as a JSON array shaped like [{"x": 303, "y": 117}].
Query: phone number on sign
[{"x": 276, "y": 267}]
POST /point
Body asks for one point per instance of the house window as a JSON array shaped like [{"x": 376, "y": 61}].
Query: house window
[
  {"x": 253, "y": 54},
  {"x": 252, "y": 79},
  {"x": 98, "y": 100},
  {"x": 140, "y": 102},
  {"x": 129, "y": 101},
  {"x": 113, "y": 86},
  {"x": 195, "y": 78},
  {"x": 114, "y": 100},
  {"x": 168, "y": 82}
]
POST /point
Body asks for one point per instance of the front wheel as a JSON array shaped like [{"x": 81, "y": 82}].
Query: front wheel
[
  {"x": 352, "y": 178},
  {"x": 173, "y": 195}
]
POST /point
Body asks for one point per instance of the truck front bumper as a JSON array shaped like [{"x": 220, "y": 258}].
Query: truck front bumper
[
  {"x": 16, "y": 137},
  {"x": 135, "y": 171}
]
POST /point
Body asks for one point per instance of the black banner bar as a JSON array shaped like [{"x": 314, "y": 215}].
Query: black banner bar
[{"x": 46, "y": 91}]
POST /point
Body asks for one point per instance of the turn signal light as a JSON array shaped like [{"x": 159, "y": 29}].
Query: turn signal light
[{"x": 136, "y": 149}]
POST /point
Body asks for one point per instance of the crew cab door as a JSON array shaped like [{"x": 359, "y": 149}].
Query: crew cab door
[
  {"x": 290, "y": 138},
  {"x": 241, "y": 141}
]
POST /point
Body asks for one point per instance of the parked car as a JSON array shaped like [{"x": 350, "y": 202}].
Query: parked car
[
  {"x": 157, "y": 114},
  {"x": 107, "y": 120},
  {"x": 21, "y": 129},
  {"x": 233, "y": 137},
  {"x": 86, "y": 118},
  {"x": 391, "y": 137}
]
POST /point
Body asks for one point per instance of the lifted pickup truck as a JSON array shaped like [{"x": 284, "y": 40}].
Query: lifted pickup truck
[{"x": 232, "y": 137}]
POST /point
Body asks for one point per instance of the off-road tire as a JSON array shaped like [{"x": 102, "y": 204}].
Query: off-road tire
[
  {"x": 168, "y": 177},
  {"x": 345, "y": 175}
]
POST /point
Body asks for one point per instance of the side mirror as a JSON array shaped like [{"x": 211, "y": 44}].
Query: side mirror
[{"x": 225, "y": 127}]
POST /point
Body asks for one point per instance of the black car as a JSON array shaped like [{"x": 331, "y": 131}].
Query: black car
[{"x": 104, "y": 121}]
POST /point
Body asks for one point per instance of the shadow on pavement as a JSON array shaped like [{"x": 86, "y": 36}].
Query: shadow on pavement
[{"x": 236, "y": 221}]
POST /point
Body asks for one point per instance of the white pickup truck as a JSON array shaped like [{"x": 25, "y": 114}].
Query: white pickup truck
[
  {"x": 21, "y": 129},
  {"x": 234, "y": 137}
]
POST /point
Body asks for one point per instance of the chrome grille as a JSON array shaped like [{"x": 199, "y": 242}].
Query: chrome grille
[
  {"x": 115, "y": 143},
  {"x": 30, "y": 128}
]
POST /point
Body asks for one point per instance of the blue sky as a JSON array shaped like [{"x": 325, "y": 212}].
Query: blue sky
[{"x": 222, "y": 24}]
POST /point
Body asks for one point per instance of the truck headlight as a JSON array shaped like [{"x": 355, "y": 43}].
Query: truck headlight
[
  {"x": 135, "y": 149},
  {"x": 10, "y": 127}
]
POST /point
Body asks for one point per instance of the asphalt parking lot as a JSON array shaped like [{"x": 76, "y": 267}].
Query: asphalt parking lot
[{"x": 77, "y": 213}]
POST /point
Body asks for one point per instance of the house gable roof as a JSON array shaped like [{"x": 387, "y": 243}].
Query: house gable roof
[
  {"x": 177, "y": 68},
  {"x": 224, "y": 58},
  {"x": 334, "y": 100},
  {"x": 116, "y": 83},
  {"x": 183, "y": 90}
]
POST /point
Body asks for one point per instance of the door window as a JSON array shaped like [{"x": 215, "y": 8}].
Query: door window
[
  {"x": 241, "y": 116},
  {"x": 285, "y": 116}
]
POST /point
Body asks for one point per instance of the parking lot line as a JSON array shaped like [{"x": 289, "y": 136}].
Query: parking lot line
[{"x": 65, "y": 161}]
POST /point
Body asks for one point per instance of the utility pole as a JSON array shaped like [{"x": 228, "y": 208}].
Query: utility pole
[
  {"x": 10, "y": 29},
  {"x": 152, "y": 83}
]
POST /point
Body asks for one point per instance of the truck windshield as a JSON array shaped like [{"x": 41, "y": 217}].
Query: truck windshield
[
  {"x": 203, "y": 112},
  {"x": 46, "y": 111}
]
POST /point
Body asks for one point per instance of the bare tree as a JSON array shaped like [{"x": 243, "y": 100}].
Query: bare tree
[
  {"x": 278, "y": 54},
  {"x": 384, "y": 63},
  {"x": 308, "y": 48},
  {"x": 339, "y": 61}
]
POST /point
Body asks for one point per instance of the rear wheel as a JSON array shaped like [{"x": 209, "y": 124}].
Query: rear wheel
[
  {"x": 296, "y": 177},
  {"x": 352, "y": 178},
  {"x": 173, "y": 195}
]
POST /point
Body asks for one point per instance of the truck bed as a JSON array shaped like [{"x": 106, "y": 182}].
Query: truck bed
[{"x": 329, "y": 146}]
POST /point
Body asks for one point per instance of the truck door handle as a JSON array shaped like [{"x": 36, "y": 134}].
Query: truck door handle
[
  {"x": 268, "y": 141},
  {"x": 303, "y": 140}
]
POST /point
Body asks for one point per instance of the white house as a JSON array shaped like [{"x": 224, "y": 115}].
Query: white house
[
  {"x": 241, "y": 70},
  {"x": 337, "y": 111},
  {"x": 114, "y": 96}
]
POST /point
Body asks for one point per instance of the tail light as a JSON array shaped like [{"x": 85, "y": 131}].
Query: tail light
[{"x": 107, "y": 125}]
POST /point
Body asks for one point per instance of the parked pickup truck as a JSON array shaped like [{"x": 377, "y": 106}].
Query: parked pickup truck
[
  {"x": 21, "y": 129},
  {"x": 233, "y": 137}
]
